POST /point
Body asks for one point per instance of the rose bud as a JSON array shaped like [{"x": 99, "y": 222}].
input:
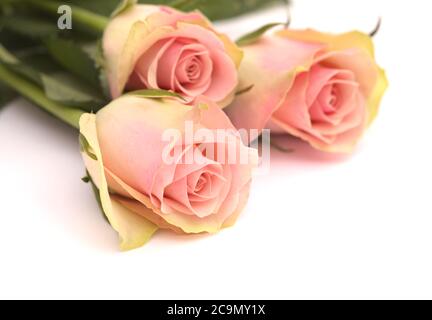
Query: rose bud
[
  {"x": 325, "y": 89},
  {"x": 157, "y": 47},
  {"x": 194, "y": 182}
]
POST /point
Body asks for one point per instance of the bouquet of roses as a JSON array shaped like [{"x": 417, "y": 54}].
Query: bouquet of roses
[{"x": 160, "y": 99}]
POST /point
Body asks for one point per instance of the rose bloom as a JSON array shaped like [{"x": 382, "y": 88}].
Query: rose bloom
[
  {"x": 157, "y": 47},
  {"x": 323, "y": 88},
  {"x": 145, "y": 184}
]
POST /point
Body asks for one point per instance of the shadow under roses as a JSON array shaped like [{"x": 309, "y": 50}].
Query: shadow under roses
[{"x": 287, "y": 148}]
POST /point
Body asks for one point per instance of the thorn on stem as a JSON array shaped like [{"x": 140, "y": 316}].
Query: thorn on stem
[
  {"x": 287, "y": 4},
  {"x": 377, "y": 28}
]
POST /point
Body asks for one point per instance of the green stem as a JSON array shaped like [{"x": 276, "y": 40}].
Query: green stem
[
  {"x": 85, "y": 18},
  {"x": 32, "y": 92}
]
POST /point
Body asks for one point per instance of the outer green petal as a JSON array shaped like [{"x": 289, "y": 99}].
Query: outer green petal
[{"x": 134, "y": 231}]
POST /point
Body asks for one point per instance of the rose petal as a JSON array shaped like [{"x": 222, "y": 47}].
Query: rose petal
[
  {"x": 134, "y": 231},
  {"x": 294, "y": 112},
  {"x": 130, "y": 131},
  {"x": 147, "y": 65},
  {"x": 271, "y": 79},
  {"x": 132, "y": 33},
  {"x": 124, "y": 139}
]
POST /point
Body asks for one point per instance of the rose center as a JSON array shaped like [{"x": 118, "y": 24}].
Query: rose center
[
  {"x": 205, "y": 184},
  {"x": 333, "y": 97},
  {"x": 329, "y": 99},
  {"x": 202, "y": 181},
  {"x": 193, "y": 69}
]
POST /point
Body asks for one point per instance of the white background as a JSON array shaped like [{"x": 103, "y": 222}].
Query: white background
[{"x": 316, "y": 227}]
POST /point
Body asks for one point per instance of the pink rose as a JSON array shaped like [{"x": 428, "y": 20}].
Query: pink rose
[
  {"x": 146, "y": 181},
  {"x": 323, "y": 88},
  {"x": 157, "y": 47}
]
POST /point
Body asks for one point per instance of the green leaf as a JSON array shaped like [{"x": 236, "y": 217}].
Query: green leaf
[
  {"x": 123, "y": 6},
  {"x": 29, "y": 26},
  {"x": 255, "y": 35},
  {"x": 217, "y": 10},
  {"x": 14, "y": 41},
  {"x": 85, "y": 147},
  {"x": 58, "y": 85},
  {"x": 6, "y": 56},
  {"x": 102, "y": 7},
  {"x": 34, "y": 93},
  {"x": 10, "y": 60},
  {"x": 68, "y": 90},
  {"x": 37, "y": 58},
  {"x": 74, "y": 58},
  {"x": 156, "y": 94},
  {"x": 6, "y": 95},
  {"x": 84, "y": 60},
  {"x": 181, "y": 4}
]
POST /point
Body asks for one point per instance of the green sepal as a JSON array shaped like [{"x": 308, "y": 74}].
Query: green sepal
[
  {"x": 156, "y": 94},
  {"x": 85, "y": 147},
  {"x": 88, "y": 179}
]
